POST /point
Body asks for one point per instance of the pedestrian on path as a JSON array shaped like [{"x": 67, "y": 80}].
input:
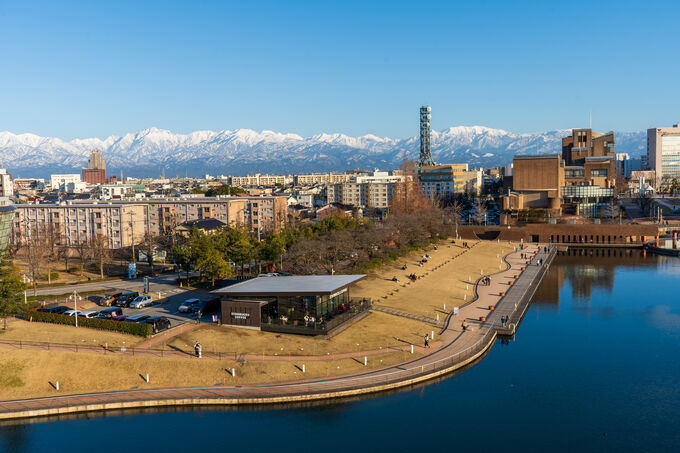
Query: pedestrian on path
[
  {"x": 427, "y": 340},
  {"x": 464, "y": 325}
]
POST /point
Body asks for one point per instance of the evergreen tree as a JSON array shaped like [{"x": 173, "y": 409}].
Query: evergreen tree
[{"x": 11, "y": 288}]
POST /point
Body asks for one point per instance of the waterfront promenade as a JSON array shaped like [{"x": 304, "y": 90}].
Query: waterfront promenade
[{"x": 507, "y": 295}]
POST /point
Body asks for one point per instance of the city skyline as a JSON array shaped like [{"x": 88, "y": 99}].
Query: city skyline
[{"x": 308, "y": 69}]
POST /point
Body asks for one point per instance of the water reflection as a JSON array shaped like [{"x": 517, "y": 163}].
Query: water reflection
[{"x": 587, "y": 270}]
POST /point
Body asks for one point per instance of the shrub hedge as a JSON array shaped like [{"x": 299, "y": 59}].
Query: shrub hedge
[{"x": 132, "y": 328}]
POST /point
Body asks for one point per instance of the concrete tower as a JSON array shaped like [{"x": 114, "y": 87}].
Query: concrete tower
[{"x": 425, "y": 157}]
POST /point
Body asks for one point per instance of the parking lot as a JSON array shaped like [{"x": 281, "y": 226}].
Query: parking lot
[{"x": 168, "y": 308}]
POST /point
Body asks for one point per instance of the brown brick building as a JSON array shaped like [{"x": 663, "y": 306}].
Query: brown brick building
[{"x": 581, "y": 181}]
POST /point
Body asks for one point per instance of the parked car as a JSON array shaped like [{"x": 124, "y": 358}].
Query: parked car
[
  {"x": 56, "y": 309},
  {"x": 110, "y": 298},
  {"x": 188, "y": 305},
  {"x": 137, "y": 318},
  {"x": 125, "y": 298},
  {"x": 142, "y": 301},
  {"x": 110, "y": 313},
  {"x": 119, "y": 318},
  {"x": 88, "y": 314},
  {"x": 71, "y": 312},
  {"x": 159, "y": 323},
  {"x": 208, "y": 306}
]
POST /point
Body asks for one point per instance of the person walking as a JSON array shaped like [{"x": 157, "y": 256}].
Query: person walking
[
  {"x": 427, "y": 340},
  {"x": 198, "y": 316},
  {"x": 198, "y": 349},
  {"x": 464, "y": 325}
]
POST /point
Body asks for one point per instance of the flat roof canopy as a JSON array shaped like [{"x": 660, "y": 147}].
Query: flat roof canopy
[{"x": 298, "y": 284}]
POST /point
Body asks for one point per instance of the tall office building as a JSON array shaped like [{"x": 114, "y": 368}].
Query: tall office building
[
  {"x": 425, "y": 157},
  {"x": 95, "y": 173},
  {"x": 96, "y": 161},
  {"x": 663, "y": 151},
  {"x": 6, "y": 185}
]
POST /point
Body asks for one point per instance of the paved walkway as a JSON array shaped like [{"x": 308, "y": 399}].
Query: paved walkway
[{"x": 458, "y": 349}]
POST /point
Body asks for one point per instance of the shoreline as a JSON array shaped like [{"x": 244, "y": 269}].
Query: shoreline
[{"x": 440, "y": 362}]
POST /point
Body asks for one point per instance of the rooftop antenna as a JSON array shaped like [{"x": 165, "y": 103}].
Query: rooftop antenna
[{"x": 590, "y": 119}]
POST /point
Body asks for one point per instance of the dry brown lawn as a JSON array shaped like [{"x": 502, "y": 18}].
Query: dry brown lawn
[
  {"x": 447, "y": 278},
  {"x": 19, "y": 330},
  {"x": 32, "y": 373},
  {"x": 374, "y": 332}
]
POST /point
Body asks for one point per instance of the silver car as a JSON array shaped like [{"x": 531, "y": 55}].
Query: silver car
[{"x": 141, "y": 301}]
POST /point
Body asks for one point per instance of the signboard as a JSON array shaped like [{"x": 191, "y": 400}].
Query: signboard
[
  {"x": 337, "y": 293},
  {"x": 240, "y": 315},
  {"x": 132, "y": 270}
]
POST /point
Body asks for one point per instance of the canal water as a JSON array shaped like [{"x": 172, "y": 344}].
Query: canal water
[{"x": 593, "y": 367}]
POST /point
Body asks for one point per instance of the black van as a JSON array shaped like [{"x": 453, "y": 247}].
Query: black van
[
  {"x": 159, "y": 323},
  {"x": 55, "y": 309},
  {"x": 125, "y": 298}
]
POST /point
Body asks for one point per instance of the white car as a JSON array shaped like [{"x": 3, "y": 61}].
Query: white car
[
  {"x": 71, "y": 313},
  {"x": 188, "y": 305},
  {"x": 88, "y": 314},
  {"x": 141, "y": 301}
]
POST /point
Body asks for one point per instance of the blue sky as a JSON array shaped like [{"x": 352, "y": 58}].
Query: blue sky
[{"x": 93, "y": 69}]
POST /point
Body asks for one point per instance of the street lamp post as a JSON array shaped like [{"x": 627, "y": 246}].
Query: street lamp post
[{"x": 75, "y": 298}]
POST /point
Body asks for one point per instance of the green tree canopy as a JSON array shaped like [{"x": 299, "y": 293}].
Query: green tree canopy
[
  {"x": 11, "y": 288},
  {"x": 213, "y": 266},
  {"x": 224, "y": 189}
]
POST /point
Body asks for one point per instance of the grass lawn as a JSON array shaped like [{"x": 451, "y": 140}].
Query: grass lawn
[
  {"x": 29, "y": 373},
  {"x": 55, "y": 333},
  {"x": 442, "y": 280},
  {"x": 377, "y": 330}
]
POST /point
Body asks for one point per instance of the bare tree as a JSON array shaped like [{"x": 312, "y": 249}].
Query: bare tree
[
  {"x": 101, "y": 251},
  {"x": 50, "y": 239},
  {"x": 481, "y": 210},
  {"x": 148, "y": 245},
  {"x": 34, "y": 252},
  {"x": 82, "y": 249},
  {"x": 456, "y": 211}
]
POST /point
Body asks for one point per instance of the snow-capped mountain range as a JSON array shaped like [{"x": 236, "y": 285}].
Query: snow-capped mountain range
[{"x": 243, "y": 151}]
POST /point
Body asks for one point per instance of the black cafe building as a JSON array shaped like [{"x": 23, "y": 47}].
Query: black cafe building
[{"x": 302, "y": 304}]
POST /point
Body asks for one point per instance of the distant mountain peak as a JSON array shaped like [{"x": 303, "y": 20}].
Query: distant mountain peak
[{"x": 244, "y": 151}]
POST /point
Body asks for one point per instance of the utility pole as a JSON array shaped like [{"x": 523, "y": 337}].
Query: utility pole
[{"x": 132, "y": 233}]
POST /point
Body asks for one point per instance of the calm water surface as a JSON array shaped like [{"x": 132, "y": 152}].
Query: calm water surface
[{"x": 594, "y": 367}]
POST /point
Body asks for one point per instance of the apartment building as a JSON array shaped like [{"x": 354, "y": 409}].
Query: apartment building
[
  {"x": 121, "y": 224},
  {"x": 322, "y": 178},
  {"x": 260, "y": 180},
  {"x": 264, "y": 213},
  {"x": 440, "y": 181},
  {"x": 663, "y": 151},
  {"x": 372, "y": 195},
  {"x": 6, "y": 217},
  {"x": 56, "y": 181}
]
